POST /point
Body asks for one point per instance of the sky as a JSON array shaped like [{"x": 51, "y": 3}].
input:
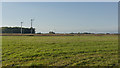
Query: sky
[
  {"x": 59, "y": 0},
  {"x": 62, "y": 16}
]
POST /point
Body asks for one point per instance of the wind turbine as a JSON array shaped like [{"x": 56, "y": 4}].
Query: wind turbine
[
  {"x": 31, "y": 25},
  {"x": 21, "y": 27}
]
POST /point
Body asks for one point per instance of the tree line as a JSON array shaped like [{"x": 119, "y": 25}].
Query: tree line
[
  {"x": 17, "y": 30},
  {"x": 28, "y": 30}
]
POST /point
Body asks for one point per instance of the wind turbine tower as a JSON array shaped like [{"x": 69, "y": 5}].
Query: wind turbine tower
[
  {"x": 21, "y": 27},
  {"x": 31, "y": 25}
]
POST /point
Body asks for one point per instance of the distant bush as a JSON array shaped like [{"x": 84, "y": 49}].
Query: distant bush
[
  {"x": 39, "y": 33},
  {"x": 72, "y": 33},
  {"x": 51, "y": 32},
  {"x": 86, "y": 33},
  {"x": 107, "y": 33},
  {"x": 78, "y": 33}
]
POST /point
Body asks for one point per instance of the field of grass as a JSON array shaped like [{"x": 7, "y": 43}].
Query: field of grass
[{"x": 60, "y": 50}]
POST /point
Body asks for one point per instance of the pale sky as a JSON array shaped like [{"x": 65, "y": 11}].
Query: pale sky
[
  {"x": 59, "y": 0},
  {"x": 63, "y": 16}
]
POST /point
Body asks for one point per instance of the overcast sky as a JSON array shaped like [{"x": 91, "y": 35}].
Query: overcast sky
[{"x": 63, "y": 16}]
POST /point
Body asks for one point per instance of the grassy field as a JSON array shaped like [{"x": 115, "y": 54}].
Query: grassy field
[{"x": 60, "y": 50}]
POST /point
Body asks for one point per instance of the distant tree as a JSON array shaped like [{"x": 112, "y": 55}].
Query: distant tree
[
  {"x": 107, "y": 33},
  {"x": 71, "y": 33},
  {"x": 51, "y": 32},
  {"x": 16, "y": 30},
  {"x": 86, "y": 33},
  {"x": 79, "y": 33},
  {"x": 39, "y": 33}
]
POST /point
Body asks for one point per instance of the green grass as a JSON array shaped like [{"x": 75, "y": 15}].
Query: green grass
[{"x": 60, "y": 50}]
